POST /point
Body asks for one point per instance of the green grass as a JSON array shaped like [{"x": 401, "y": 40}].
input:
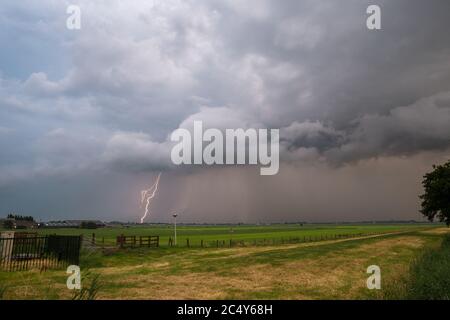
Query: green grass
[
  {"x": 428, "y": 277},
  {"x": 320, "y": 270},
  {"x": 246, "y": 233},
  {"x": 2, "y": 291}
]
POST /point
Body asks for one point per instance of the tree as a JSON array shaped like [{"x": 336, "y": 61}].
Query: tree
[
  {"x": 20, "y": 218},
  {"x": 436, "y": 199}
]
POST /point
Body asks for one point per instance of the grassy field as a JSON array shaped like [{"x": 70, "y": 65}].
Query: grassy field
[
  {"x": 329, "y": 269},
  {"x": 247, "y": 233},
  {"x": 428, "y": 275}
]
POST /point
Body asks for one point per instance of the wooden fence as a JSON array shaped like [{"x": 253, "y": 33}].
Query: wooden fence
[
  {"x": 25, "y": 252},
  {"x": 137, "y": 241},
  {"x": 229, "y": 243}
]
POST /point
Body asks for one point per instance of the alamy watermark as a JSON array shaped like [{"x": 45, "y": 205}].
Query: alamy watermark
[
  {"x": 373, "y": 22},
  {"x": 237, "y": 146},
  {"x": 374, "y": 280},
  {"x": 74, "y": 279},
  {"x": 73, "y": 22}
]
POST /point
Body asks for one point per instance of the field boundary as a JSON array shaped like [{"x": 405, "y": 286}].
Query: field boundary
[
  {"x": 287, "y": 241},
  {"x": 123, "y": 242}
]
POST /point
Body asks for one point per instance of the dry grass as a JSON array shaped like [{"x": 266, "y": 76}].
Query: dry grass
[
  {"x": 245, "y": 251},
  {"x": 333, "y": 269},
  {"x": 437, "y": 231},
  {"x": 333, "y": 275}
]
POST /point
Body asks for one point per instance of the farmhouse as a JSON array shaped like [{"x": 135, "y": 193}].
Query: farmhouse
[
  {"x": 23, "y": 224},
  {"x": 74, "y": 224},
  {"x": 18, "y": 224}
]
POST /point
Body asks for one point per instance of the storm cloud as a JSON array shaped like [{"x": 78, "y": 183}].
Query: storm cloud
[{"x": 96, "y": 106}]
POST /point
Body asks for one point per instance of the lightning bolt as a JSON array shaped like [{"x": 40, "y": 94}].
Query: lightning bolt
[{"x": 147, "y": 195}]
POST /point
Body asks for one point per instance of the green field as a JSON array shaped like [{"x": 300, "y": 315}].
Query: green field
[
  {"x": 326, "y": 269},
  {"x": 249, "y": 234}
]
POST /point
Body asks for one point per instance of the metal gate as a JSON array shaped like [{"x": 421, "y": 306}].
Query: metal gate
[{"x": 19, "y": 252}]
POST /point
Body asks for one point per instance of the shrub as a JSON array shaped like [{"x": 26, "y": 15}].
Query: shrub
[{"x": 91, "y": 285}]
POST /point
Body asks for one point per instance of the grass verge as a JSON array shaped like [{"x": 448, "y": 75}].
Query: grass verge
[{"x": 428, "y": 277}]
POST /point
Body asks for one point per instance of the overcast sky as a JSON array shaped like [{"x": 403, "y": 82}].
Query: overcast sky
[{"x": 85, "y": 115}]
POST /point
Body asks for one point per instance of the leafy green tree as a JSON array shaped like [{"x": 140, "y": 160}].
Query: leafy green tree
[{"x": 436, "y": 199}]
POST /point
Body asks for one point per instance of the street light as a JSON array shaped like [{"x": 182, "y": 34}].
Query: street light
[{"x": 175, "y": 216}]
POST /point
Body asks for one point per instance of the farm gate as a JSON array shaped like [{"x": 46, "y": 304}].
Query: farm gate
[
  {"x": 141, "y": 241},
  {"x": 28, "y": 251}
]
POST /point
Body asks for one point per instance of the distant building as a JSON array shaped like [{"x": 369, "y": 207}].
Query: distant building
[
  {"x": 59, "y": 224},
  {"x": 19, "y": 224},
  {"x": 23, "y": 224},
  {"x": 74, "y": 224}
]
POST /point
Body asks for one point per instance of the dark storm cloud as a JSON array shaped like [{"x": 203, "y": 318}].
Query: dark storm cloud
[
  {"x": 404, "y": 130},
  {"x": 105, "y": 98}
]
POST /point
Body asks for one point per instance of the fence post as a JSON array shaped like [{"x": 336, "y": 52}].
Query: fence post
[
  {"x": 93, "y": 239},
  {"x": 201, "y": 243},
  {"x": 187, "y": 242},
  {"x": 6, "y": 249},
  {"x": 230, "y": 242},
  {"x": 122, "y": 239}
]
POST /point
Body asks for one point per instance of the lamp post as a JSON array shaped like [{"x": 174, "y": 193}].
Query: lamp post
[
  {"x": 175, "y": 227},
  {"x": 231, "y": 236}
]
